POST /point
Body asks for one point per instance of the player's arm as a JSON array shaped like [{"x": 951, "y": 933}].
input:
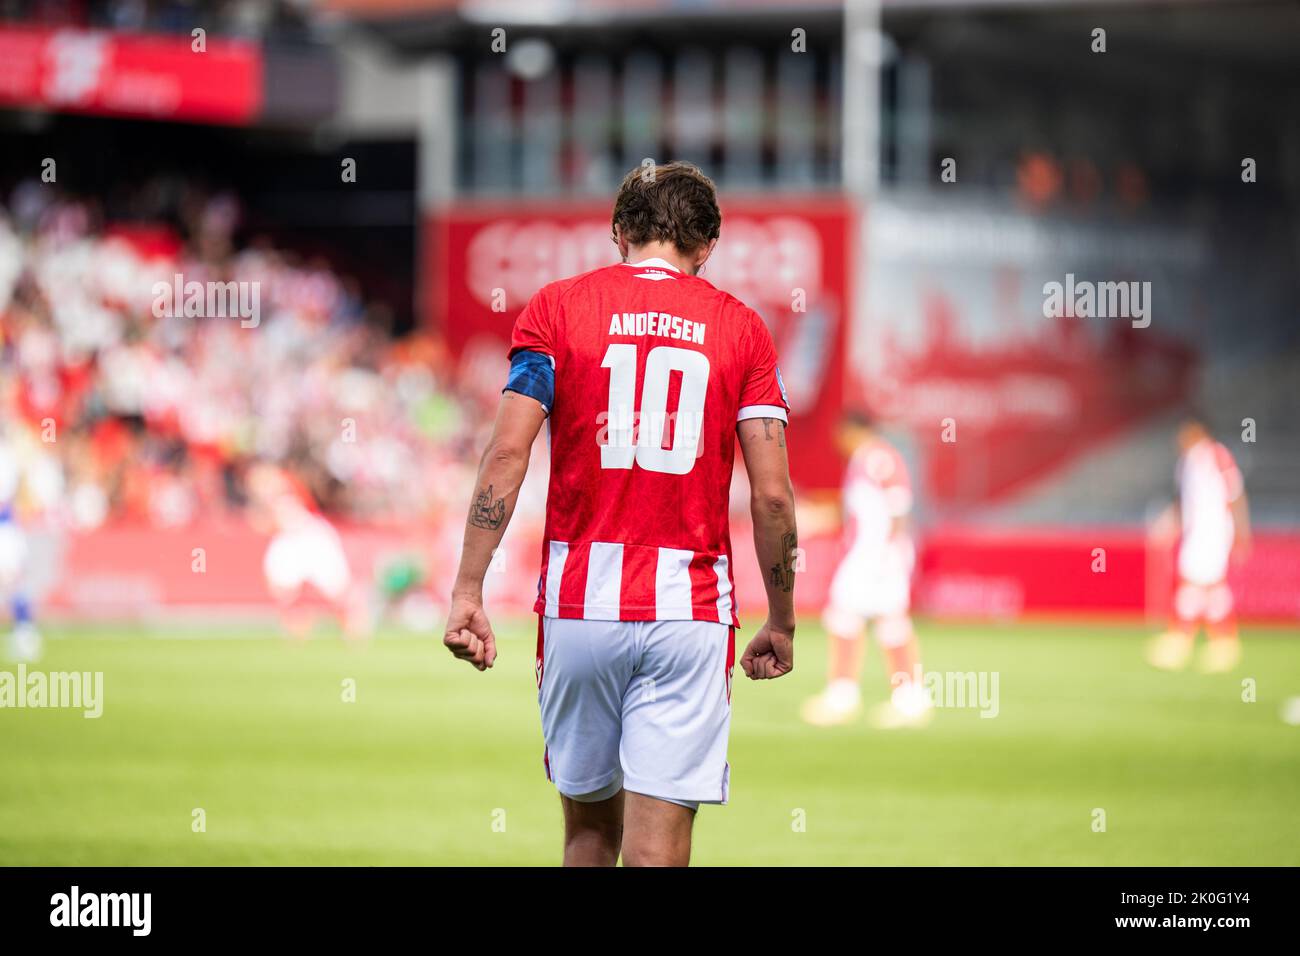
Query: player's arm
[
  {"x": 762, "y": 442},
  {"x": 898, "y": 498},
  {"x": 1241, "y": 525},
  {"x": 1165, "y": 527},
  {"x": 500, "y": 475},
  {"x": 1237, "y": 503}
]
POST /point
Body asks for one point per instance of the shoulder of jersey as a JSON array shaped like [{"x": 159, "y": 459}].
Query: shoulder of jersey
[
  {"x": 621, "y": 270},
  {"x": 561, "y": 286},
  {"x": 729, "y": 303},
  {"x": 660, "y": 274},
  {"x": 613, "y": 271}
]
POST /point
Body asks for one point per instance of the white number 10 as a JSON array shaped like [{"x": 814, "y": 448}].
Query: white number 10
[{"x": 687, "y": 422}]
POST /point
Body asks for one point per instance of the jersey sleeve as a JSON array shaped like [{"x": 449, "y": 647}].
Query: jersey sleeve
[
  {"x": 532, "y": 374},
  {"x": 763, "y": 393},
  {"x": 534, "y": 329}
]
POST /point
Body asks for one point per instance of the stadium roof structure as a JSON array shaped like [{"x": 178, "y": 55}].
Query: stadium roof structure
[
  {"x": 1262, "y": 30},
  {"x": 577, "y": 11},
  {"x": 562, "y": 11}
]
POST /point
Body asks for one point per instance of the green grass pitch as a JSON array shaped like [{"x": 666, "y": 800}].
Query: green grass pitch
[{"x": 435, "y": 763}]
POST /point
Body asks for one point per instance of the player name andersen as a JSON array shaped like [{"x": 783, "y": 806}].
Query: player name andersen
[
  {"x": 656, "y": 323},
  {"x": 74, "y": 908}
]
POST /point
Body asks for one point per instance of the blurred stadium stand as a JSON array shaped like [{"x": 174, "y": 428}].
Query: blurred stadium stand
[{"x": 479, "y": 169}]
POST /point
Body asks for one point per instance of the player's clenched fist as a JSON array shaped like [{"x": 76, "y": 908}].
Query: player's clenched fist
[
  {"x": 770, "y": 654},
  {"x": 469, "y": 635}
]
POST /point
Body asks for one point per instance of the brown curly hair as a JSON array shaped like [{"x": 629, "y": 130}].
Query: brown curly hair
[{"x": 676, "y": 203}]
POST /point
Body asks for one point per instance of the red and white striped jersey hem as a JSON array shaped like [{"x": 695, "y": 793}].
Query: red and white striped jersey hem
[{"x": 611, "y": 581}]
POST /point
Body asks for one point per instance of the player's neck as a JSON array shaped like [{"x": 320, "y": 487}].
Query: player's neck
[{"x": 661, "y": 250}]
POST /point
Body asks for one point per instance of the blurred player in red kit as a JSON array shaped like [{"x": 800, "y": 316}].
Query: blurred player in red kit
[
  {"x": 872, "y": 584},
  {"x": 1214, "y": 520},
  {"x": 305, "y": 549},
  {"x": 645, "y": 375}
]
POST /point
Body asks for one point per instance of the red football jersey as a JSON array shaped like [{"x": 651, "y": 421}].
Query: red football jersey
[{"x": 653, "y": 369}]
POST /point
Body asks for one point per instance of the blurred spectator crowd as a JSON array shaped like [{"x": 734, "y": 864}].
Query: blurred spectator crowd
[{"x": 118, "y": 414}]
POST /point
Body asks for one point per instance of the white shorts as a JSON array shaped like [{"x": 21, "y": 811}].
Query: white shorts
[
  {"x": 638, "y": 705},
  {"x": 312, "y": 554},
  {"x": 868, "y": 586},
  {"x": 1203, "y": 558}
]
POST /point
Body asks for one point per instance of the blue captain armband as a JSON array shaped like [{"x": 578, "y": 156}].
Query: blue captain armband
[{"x": 532, "y": 374}]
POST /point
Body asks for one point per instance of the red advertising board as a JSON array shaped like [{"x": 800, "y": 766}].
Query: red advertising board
[
  {"x": 999, "y": 573},
  {"x": 956, "y": 346},
  {"x": 123, "y": 570},
  {"x": 787, "y": 259},
  {"x": 157, "y": 77}
]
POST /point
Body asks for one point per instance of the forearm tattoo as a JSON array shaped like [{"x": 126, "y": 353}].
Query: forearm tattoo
[
  {"x": 487, "y": 512},
  {"x": 781, "y": 575}
]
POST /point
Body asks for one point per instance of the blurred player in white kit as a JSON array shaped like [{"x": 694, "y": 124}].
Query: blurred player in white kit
[
  {"x": 24, "y": 641},
  {"x": 1214, "y": 520},
  {"x": 305, "y": 549},
  {"x": 872, "y": 584},
  {"x": 30, "y": 487}
]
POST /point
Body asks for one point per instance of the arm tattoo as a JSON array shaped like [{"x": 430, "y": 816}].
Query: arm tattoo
[
  {"x": 486, "y": 511},
  {"x": 780, "y": 430},
  {"x": 781, "y": 575}
]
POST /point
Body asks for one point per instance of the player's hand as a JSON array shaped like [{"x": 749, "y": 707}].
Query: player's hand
[
  {"x": 770, "y": 654},
  {"x": 469, "y": 635},
  {"x": 1241, "y": 548}
]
